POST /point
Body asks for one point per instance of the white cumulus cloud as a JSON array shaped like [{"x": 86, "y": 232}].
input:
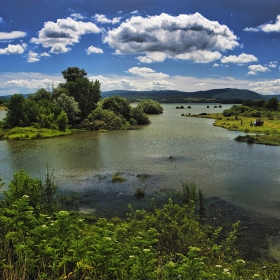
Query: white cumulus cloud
[
  {"x": 100, "y": 18},
  {"x": 272, "y": 64},
  {"x": 92, "y": 49},
  {"x": 77, "y": 16},
  {"x": 147, "y": 73},
  {"x": 254, "y": 69},
  {"x": 240, "y": 59},
  {"x": 61, "y": 34},
  {"x": 132, "y": 83},
  {"x": 266, "y": 87},
  {"x": 13, "y": 49},
  {"x": 267, "y": 27},
  {"x": 12, "y": 35},
  {"x": 34, "y": 57},
  {"x": 187, "y": 37},
  {"x": 33, "y": 83}
]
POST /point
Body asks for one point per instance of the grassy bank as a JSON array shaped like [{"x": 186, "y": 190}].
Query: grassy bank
[
  {"x": 3, "y": 107},
  {"x": 25, "y": 133},
  {"x": 268, "y": 134}
]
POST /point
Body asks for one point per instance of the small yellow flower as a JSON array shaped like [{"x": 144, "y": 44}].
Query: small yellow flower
[
  {"x": 218, "y": 266},
  {"x": 146, "y": 250}
]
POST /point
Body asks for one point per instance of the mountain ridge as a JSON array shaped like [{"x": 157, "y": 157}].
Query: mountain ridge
[{"x": 224, "y": 95}]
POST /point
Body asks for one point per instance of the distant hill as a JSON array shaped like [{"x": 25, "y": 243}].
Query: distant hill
[{"x": 226, "y": 95}]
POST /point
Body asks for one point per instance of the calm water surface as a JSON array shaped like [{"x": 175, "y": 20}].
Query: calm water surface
[{"x": 171, "y": 150}]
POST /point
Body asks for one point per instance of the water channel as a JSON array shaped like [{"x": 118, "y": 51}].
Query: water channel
[{"x": 171, "y": 150}]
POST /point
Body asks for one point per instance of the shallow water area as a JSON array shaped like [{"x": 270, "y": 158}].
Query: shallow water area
[{"x": 171, "y": 150}]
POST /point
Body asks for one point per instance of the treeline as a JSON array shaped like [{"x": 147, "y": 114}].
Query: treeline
[
  {"x": 256, "y": 108},
  {"x": 75, "y": 103},
  {"x": 38, "y": 240}
]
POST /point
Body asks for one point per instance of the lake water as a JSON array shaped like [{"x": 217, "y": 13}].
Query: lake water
[{"x": 171, "y": 150}]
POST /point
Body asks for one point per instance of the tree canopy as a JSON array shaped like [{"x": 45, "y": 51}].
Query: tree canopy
[
  {"x": 150, "y": 106},
  {"x": 73, "y": 73},
  {"x": 76, "y": 102}
]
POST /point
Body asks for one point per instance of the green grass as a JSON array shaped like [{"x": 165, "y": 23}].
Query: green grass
[
  {"x": 25, "y": 133},
  {"x": 268, "y": 134}
]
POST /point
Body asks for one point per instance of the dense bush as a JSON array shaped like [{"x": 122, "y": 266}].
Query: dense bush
[{"x": 150, "y": 106}]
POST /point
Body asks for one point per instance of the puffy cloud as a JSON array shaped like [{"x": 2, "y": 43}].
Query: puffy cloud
[
  {"x": 12, "y": 35},
  {"x": 254, "y": 69},
  {"x": 272, "y": 64},
  {"x": 201, "y": 84},
  {"x": 34, "y": 57},
  {"x": 266, "y": 87},
  {"x": 77, "y": 16},
  {"x": 1, "y": 19},
  {"x": 59, "y": 35},
  {"x": 216, "y": 65},
  {"x": 13, "y": 49},
  {"x": 127, "y": 83},
  {"x": 187, "y": 37},
  {"x": 240, "y": 59},
  {"x": 267, "y": 27},
  {"x": 31, "y": 83},
  {"x": 147, "y": 73},
  {"x": 103, "y": 19},
  {"x": 93, "y": 49}
]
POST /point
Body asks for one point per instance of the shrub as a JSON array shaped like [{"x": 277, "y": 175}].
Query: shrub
[
  {"x": 118, "y": 178},
  {"x": 150, "y": 106}
]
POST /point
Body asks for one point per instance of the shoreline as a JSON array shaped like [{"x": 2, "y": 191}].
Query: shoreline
[{"x": 268, "y": 134}]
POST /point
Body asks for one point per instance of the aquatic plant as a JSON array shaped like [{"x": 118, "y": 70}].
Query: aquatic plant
[{"x": 118, "y": 178}]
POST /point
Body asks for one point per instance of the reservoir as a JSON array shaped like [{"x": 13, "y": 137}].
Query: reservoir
[{"x": 171, "y": 150}]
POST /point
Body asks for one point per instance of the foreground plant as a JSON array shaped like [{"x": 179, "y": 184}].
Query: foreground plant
[{"x": 39, "y": 241}]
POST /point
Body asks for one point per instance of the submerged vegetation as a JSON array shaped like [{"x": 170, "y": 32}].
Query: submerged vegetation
[
  {"x": 259, "y": 120},
  {"x": 75, "y": 104},
  {"x": 39, "y": 240}
]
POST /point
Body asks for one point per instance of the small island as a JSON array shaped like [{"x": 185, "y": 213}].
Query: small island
[
  {"x": 259, "y": 120},
  {"x": 75, "y": 105}
]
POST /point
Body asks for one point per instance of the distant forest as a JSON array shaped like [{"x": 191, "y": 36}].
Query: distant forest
[{"x": 226, "y": 95}]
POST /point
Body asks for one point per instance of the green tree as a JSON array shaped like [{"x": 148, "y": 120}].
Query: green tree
[
  {"x": 103, "y": 118},
  {"x": 272, "y": 104},
  {"x": 87, "y": 93},
  {"x": 119, "y": 105},
  {"x": 150, "y": 106},
  {"x": 69, "y": 105},
  {"x": 73, "y": 73},
  {"x": 140, "y": 117},
  {"x": 40, "y": 94},
  {"x": 15, "y": 111},
  {"x": 62, "y": 121}
]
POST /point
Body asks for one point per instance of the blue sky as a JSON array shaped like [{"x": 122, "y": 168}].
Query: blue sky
[{"x": 186, "y": 45}]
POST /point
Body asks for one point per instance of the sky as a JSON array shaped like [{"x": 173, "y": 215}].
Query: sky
[{"x": 186, "y": 45}]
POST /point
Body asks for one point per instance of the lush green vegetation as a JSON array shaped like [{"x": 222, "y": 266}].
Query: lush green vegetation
[
  {"x": 150, "y": 106},
  {"x": 245, "y": 118},
  {"x": 41, "y": 241},
  {"x": 73, "y": 104}
]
